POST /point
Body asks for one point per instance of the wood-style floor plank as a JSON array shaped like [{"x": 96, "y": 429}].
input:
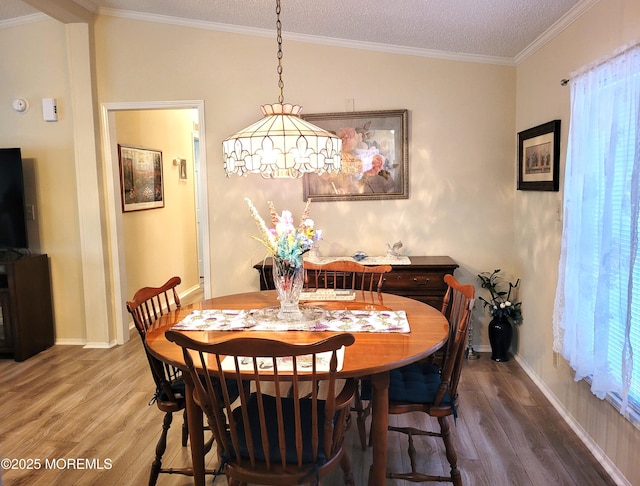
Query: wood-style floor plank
[{"x": 71, "y": 403}]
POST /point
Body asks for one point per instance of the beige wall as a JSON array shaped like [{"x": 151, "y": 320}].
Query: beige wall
[
  {"x": 35, "y": 66},
  {"x": 540, "y": 98},
  {"x": 461, "y": 139},
  {"x": 160, "y": 243}
]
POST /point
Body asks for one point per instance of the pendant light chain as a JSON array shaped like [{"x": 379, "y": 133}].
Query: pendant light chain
[
  {"x": 282, "y": 143},
  {"x": 279, "y": 40}
]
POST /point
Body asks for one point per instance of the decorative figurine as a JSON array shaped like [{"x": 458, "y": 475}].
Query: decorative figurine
[{"x": 394, "y": 250}]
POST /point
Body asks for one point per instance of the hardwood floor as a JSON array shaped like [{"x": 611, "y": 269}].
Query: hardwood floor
[{"x": 72, "y": 404}]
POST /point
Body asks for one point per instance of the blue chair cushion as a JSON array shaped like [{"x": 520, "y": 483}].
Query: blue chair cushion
[
  {"x": 272, "y": 429},
  {"x": 178, "y": 389},
  {"x": 365, "y": 389},
  {"x": 416, "y": 383}
]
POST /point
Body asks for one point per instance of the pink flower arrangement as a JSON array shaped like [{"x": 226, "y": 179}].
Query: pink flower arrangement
[{"x": 284, "y": 241}]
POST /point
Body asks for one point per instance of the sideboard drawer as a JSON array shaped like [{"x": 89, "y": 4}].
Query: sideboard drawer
[{"x": 414, "y": 281}]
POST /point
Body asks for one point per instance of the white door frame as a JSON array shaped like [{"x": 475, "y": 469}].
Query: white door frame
[{"x": 113, "y": 209}]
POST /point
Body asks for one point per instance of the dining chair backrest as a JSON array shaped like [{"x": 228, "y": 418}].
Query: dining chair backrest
[
  {"x": 146, "y": 307},
  {"x": 455, "y": 305},
  {"x": 270, "y": 438},
  {"x": 345, "y": 274},
  {"x": 150, "y": 303}
]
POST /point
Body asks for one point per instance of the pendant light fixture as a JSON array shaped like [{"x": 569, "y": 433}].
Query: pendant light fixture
[{"x": 282, "y": 144}]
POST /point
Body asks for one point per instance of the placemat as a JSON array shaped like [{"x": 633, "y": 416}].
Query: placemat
[{"x": 325, "y": 320}]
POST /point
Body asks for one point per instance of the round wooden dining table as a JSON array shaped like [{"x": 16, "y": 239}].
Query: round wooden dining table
[{"x": 372, "y": 355}]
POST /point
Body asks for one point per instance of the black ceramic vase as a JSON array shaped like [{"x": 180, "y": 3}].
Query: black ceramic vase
[{"x": 500, "y": 338}]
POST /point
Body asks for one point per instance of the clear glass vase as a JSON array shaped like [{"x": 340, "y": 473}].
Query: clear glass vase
[{"x": 289, "y": 280}]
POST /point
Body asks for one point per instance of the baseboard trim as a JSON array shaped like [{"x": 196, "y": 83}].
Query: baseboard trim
[
  {"x": 85, "y": 344},
  {"x": 100, "y": 345},
  {"x": 188, "y": 292},
  {"x": 586, "y": 439},
  {"x": 71, "y": 342}
]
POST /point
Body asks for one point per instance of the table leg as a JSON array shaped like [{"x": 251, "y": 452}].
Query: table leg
[
  {"x": 196, "y": 433},
  {"x": 379, "y": 417}
]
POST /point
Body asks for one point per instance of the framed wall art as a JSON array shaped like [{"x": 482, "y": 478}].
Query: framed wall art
[
  {"x": 539, "y": 158},
  {"x": 183, "y": 169},
  {"x": 141, "y": 182},
  {"x": 375, "y": 158}
]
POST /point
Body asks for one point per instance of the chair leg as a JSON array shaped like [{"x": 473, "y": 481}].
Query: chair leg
[
  {"x": 450, "y": 451},
  {"x": 362, "y": 414},
  {"x": 345, "y": 464},
  {"x": 185, "y": 429},
  {"x": 160, "y": 448},
  {"x": 361, "y": 417}
]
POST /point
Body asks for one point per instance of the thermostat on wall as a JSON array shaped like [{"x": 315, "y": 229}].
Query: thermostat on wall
[{"x": 49, "y": 109}]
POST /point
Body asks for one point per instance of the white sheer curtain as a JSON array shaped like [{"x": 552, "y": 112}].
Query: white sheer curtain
[{"x": 596, "y": 318}]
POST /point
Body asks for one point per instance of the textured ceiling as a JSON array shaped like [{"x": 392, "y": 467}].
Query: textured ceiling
[{"x": 494, "y": 28}]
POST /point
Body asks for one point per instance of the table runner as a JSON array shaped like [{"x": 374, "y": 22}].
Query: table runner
[
  {"x": 370, "y": 260},
  {"x": 341, "y": 320}
]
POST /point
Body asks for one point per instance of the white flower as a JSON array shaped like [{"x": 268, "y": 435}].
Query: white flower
[
  {"x": 502, "y": 305},
  {"x": 507, "y": 304}
]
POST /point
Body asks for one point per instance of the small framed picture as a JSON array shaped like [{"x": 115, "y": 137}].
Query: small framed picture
[
  {"x": 539, "y": 158},
  {"x": 375, "y": 157},
  {"x": 141, "y": 181},
  {"x": 183, "y": 169}
]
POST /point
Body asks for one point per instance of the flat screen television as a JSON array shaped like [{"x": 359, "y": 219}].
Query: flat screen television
[{"x": 13, "y": 223}]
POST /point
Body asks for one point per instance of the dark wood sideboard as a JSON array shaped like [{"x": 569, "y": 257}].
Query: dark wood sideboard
[
  {"x": 422, "y": 280},
  {"x": 26, "y": 314}
]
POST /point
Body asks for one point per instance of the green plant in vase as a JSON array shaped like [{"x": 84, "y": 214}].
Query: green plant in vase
[{"x": 503, "y": 310}]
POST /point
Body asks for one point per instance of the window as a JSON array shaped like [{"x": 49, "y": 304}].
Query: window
[{"x": 597, "y": 309}]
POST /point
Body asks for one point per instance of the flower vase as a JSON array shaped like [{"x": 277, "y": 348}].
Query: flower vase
[
  {"x": 288, "y": 280},
  {"x": 500, "y": 338}
]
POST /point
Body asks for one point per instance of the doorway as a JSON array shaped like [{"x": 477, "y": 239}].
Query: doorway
[{"x": 114, "y": 211}]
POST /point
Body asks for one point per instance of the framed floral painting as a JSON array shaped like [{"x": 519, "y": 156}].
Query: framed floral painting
[
  {"x": 141, "y": 181},
  {"x": 539, "y": 158},
  {"x": 375, "y": 159}
]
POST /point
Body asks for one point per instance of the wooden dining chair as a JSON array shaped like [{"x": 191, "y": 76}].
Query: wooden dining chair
[
  {"x": 428, "y": 388},
  {"x": 453, "y": 305},
  {"x": 270, "y": 438},
  {"x": 146, "y": 307},
  {"x": 346, "y": 274}
]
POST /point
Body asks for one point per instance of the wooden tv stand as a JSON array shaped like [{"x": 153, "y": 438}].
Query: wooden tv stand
[
  {"x": 422, "y": 280},
  {"x": 26, "y": 316}
]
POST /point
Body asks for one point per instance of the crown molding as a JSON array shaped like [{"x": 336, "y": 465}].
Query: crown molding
[
  {"x": 537, "y": 44},
  {"x": 25, "y": 19},
  {"x": 349, "y": 44},
  {"x": 561, "y": 24}
]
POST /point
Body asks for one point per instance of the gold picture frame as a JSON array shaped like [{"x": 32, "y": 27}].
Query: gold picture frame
[{"x": 375, "y": 157}]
